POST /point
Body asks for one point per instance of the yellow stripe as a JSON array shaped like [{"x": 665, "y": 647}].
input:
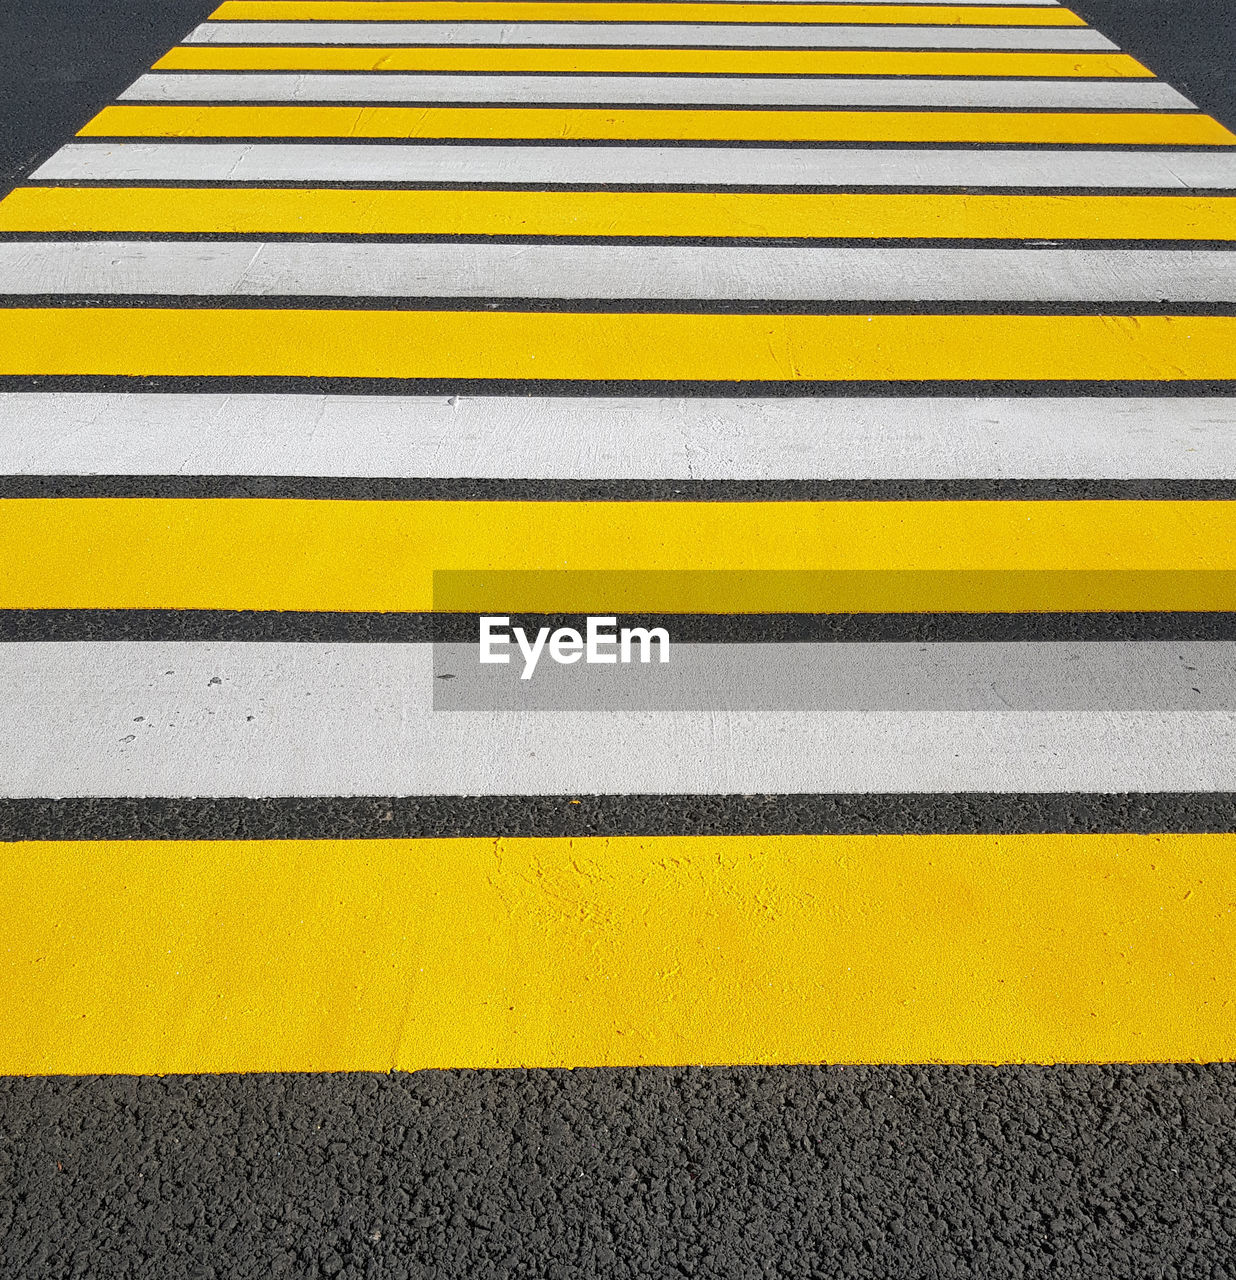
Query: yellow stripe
[
  {"x": 778, "y": 62},
  {"x": 616, "y": 213},
  {"x": 372, "y": 955},
  {"x": 477, "y": 11},
  {"x": 1096, "y": 127},
  {"x": 598, "y": 557},
  {"x": 151, "y": 341}
]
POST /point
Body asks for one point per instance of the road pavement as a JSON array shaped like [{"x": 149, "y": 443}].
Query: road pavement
[{"x": 880, "y": 354}]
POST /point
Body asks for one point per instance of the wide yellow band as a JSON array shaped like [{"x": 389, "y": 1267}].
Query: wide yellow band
[{"x": 338, "y": 955}]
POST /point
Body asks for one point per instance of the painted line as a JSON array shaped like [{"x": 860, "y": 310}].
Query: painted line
[
  {"x": 272, "y": 719},
  {"x": 386, "y": 11},
  {"x": 608, "y": 166},
  {"x": 633, "y": 124},
  {"x": 253, "y": 211},
  {"x": 378, "y": 955},
  {"x": 494, "y": 437},
  {"x": 672, "y": 272},
  {"x": 204, "y": 342},
  {"x": 255, "y": 87},
  {"x": 655, "y": 34},
  {"x": 628, "y": 557},
  {"x": 646, "y": 61}
]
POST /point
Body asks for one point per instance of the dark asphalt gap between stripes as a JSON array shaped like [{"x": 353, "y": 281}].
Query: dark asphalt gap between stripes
[
  {"x": 471, "y": 489},
  {"x": 721, "y": 242},
  {"x": 515, "y": 816},
  {"x": 646, "y": 144},
  {"x": 603, "y": 306},
  {"x": 584, "y": 104},
  {"x": 328, "y": 627},
  {"x": 840, "y": 1172},
  {"x": 263, "y": 184},
  {"x": 591, "y": 387}
]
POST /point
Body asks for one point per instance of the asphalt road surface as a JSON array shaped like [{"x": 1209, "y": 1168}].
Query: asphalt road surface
[{"x": 890, "y": 370}]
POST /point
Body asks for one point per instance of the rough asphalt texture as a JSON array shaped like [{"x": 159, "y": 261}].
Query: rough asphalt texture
[
  {"x": 841, "y": 1172},
  {"x": 1188, "y": 43},
  {"x": 61, "y": 61},
  {"x": 837, "y": 1172}
]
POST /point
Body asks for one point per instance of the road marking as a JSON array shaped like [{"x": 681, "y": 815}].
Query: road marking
[
  {"x": 635, "y": 61},
  {"x": 609, "y": 166},
  {"x": 628, "y": 35},
  {"x": 575, "y": 346},
  {"x": 727, "y": 14},
  {"x": 1122, "y": 95},
  {"x": 278, "y": 718},
  {"x": 617, "y": 213},
  {"x": 380, "y": 955},
  {"x": 560, "y": 123},
  {"x": 243, "y": 268},
  {"x": 968, "y": 635},
  {"x": 558, "y": 437},
  {"x": 630, "y": 557}
]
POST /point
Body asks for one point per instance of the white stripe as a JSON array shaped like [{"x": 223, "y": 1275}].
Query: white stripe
[
  {"x": 210, "y": 719},
  {"x": 604, "y": 271},
  {"x": 760, "y": 91},
  {"x": 639, "y": 165},
  {"x": 569, "y": 438},
  {"x": 659, "y": 35}
]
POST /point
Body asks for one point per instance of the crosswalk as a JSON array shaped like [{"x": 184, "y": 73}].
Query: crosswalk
[{"x": 883, "y": 353}]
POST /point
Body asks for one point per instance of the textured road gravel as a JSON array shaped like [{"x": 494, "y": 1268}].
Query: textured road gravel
[{"x": 890, "y": 1172}]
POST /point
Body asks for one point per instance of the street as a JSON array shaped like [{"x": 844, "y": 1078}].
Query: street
[{"x": 867, "y": 374}]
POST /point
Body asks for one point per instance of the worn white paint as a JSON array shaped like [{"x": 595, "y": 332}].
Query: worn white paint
[
  {"x": 564, "y": 438},
  {"x": 652, "y": 91},
  {"x": 208, "y": 719},
  {"x": 644, "y": 166},
  {"x": 650, "y": 34},
  {"x": 246, "y": 268}
]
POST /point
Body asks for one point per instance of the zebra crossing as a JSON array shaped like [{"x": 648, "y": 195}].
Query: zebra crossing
[{"x": 882, "y": 353}]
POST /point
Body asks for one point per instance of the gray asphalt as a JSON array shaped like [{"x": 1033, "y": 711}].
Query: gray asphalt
[
  {"x": 883, "y": 1172},
  {"x": 61, "y": 61},
  {"x": 888, "y": 1173},
  {"x": 1187, "y": 44}
]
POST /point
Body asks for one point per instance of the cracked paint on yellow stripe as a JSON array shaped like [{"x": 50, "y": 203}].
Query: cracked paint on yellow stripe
[
  {"x": 778, "y": 62},
  {"x": 604, "y": 557},
  {"x": 204, "y": 342},
  {"x": 635, "y": 124},
  {"x": 330, "y": 211},
  {"x": 480, "y": 11},
  {"x": 371, "y": 955}
]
